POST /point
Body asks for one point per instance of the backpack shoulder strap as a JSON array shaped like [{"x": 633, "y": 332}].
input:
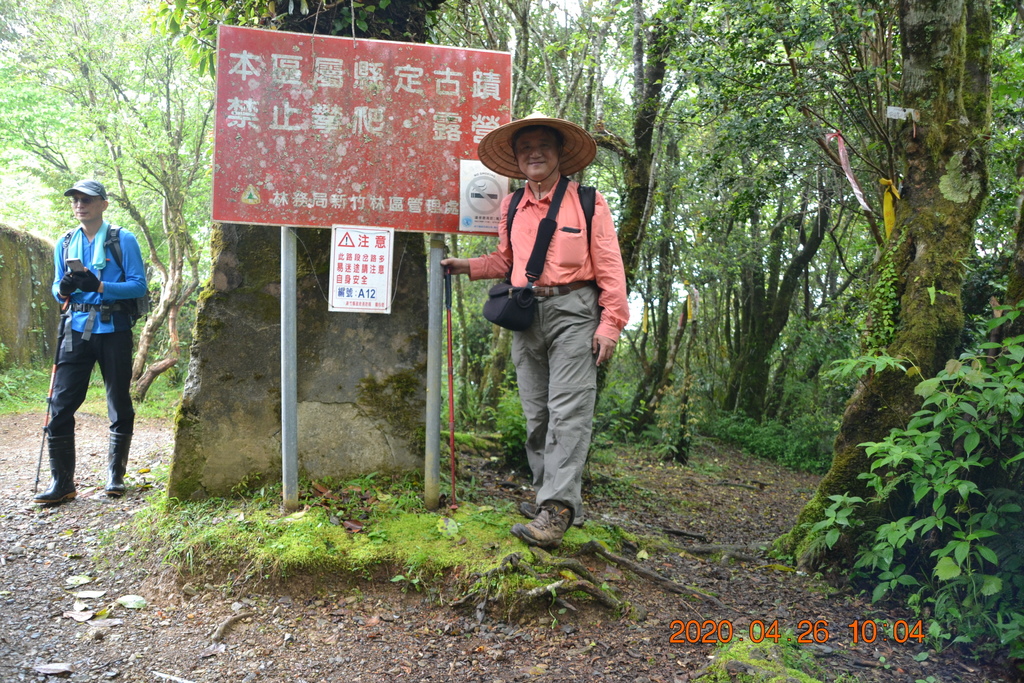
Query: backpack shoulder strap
[
  {"x": 588, "y": 200},
  {"x": 113, "y": 244},
  {"x": 513, "y": 206},
  {"x": 65, "y": 241}
]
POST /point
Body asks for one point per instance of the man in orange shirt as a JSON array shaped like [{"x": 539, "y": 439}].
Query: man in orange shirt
[{"x": 581, "y": 308}]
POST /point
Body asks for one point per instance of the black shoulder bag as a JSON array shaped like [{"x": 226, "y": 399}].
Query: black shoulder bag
[{"x": 513, "y": 307}]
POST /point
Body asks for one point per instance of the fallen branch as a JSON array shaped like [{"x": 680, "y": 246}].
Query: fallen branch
[
  {"x": 679, "y": 532},
  {"x": 723, "y": 548},
  {"x": 739, "y": 486},
  {"x": 218, "y": 634},
  {"x": 667, "y": 585}
]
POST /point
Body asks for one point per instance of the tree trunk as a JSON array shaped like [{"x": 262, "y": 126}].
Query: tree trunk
[
  {"x": 1015, "y": 285},
  {"x": 916, "y": 307},
  {"x": 765, "y": 307}
]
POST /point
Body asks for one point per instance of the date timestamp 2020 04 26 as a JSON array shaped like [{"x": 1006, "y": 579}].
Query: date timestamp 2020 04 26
[{"x": 807, "y": 631}]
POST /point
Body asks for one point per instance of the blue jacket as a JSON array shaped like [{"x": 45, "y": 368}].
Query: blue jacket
[{"x": 114, "y": 289}]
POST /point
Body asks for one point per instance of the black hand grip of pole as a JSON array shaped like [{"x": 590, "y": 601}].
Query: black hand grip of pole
[{"x": 448, "y": 287}]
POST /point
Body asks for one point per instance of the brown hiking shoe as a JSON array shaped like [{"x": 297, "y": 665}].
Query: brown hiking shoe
[
  {"x": 547, "y": 528},
  {"x": 530, "y": 510}
]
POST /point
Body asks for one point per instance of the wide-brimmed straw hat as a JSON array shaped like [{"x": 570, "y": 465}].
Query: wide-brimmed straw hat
[{"x": 496, "y": 153}]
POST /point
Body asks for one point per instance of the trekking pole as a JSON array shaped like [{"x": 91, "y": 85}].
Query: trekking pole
[
  {"x": 49, "y": 394},
  {"x": 451, "y": 380}
]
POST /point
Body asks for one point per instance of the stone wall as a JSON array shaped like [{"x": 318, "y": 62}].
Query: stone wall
[
  {"x": 29, "y": 315},
  {"x": 360, "y": 376}
]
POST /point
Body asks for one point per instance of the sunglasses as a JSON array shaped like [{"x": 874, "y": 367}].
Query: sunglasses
[{"x": 84, "y": 201}]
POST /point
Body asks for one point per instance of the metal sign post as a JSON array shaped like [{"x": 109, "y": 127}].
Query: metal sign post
[
  {"x": 289, "y": 373},
  {"x": 432, "y": 463}
]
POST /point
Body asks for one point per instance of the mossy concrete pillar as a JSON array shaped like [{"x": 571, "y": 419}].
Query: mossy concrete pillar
[
  {"x": 29, "y": 315},
  {"x": 360, "y": 386}
]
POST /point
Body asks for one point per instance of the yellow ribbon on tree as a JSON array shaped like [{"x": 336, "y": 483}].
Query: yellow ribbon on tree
[{"x": 889, "y": 195}]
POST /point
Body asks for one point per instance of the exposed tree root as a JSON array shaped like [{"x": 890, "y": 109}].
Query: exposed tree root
[
  {"x": 559, "y": 588},
  {"x": 545, "y": 558},
  {"x": 667, "y": 585},
  {"x": 482, "y": 582},
  {"x": 479, "y": 592},
  {"x": 218, "y": 634}
]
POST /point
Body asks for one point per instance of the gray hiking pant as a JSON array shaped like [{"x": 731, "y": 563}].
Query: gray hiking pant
[{"x": 557, "y": 388}]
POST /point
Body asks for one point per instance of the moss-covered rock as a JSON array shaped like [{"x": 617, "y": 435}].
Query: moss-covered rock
[
  {"x": 229, "y": 423},
  {"x": 29, "y": 315}
]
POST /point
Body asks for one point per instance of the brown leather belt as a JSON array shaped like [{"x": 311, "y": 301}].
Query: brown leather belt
[{"x": 558, "y": 290}]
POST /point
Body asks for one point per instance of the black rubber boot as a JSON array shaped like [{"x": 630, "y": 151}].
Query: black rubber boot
[
  {"x": 117, "y": 461},
  {"x": 62, "y": 468}
]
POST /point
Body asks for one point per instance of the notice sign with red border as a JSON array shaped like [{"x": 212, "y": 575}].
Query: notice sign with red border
[
  {"x": 315, "y": 130},
  {"x": 361, "y": 269}
]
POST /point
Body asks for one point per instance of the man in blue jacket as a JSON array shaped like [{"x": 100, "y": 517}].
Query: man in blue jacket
[{"x": 96, "y": 328}]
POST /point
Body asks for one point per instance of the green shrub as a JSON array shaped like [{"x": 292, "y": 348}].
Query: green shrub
[
  {"x": 804, "y": 444},
  {"x": 511, "y": 424},
  {"x": 955, "y": 476}
]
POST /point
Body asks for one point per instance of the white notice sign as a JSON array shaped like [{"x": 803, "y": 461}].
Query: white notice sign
[
  {"x": 480, "y": 193},
  {"x": 361, "y": 269}
]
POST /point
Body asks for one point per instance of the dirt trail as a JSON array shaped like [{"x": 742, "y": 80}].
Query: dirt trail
[{"x": 309, "y": 631}]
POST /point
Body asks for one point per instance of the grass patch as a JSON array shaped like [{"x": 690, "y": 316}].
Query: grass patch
[{"x": 24, "y": 390}]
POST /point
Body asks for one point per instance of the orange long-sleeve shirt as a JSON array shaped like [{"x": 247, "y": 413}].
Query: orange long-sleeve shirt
[{"x": 568, "y": 259}]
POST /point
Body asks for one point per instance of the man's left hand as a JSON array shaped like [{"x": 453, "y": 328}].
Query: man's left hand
[
  {"x": 87, "y": 281},
  {"x": 603, "y": 347}
]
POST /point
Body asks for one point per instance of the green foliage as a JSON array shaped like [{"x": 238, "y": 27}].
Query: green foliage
[
  {"x": 23, "y": 390},
  {"x": 839, "y": 516},
  {"x": 805, "y": 443},
  {"x": 511, "y": 424},
  {"x": 858, "y": 366},
  {"x": 884, "y": 300},
  {"x": 782, "y": 659},
  {"x": 89, "y": 94},
  {"x": 954, "y": 475}
]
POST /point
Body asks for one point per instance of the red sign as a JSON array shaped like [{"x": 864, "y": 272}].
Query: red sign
[{"x": 316, "y": 131}]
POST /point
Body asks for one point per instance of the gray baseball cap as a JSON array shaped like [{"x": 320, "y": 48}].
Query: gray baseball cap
[{"x": 89, "y": 187}]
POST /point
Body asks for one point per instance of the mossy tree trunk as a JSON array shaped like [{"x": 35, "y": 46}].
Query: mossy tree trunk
[
  {"x": 1015, "y": 284},
  {"x": 916, "y": 306},
  {"x": 651, "y": 50}
]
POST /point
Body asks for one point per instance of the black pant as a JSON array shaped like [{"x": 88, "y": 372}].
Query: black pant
[{"x": 113, "y": 351}]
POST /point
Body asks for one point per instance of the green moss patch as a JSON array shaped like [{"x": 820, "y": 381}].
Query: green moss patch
[
  {"x": 764, "y": 662},
  {"x": 365, "y": 528}
]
